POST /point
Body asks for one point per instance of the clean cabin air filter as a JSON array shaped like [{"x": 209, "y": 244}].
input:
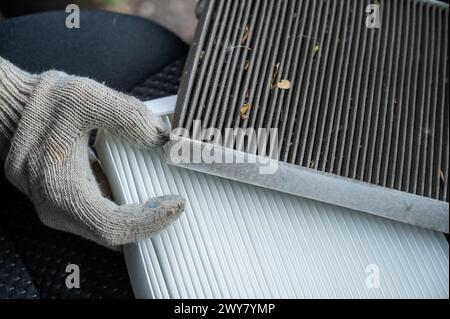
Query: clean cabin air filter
[{"x": 360, "y": 108}]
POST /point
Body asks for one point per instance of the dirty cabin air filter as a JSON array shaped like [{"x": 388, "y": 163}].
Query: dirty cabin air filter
[{"x": 361, "y": 112}]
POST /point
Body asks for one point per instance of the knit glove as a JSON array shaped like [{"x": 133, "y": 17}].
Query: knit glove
[{"x": 45, "y": 122}]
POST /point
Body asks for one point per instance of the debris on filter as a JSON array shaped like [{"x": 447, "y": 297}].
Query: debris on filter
[
  {"x": 284, "y": 85},
  {"x": 244, "y": 111},
  {"x": 276, "y": 70},
  {"x": 312, "y": 164},
  {"x": 246, "y": 35},
  {"x": 247, "y": 65},
  {"x": 441, "y": 175},
  {"x": 231, "y": 48},
  {"x": 202, "y": 55},
  {"x": 316, "y": 47}
]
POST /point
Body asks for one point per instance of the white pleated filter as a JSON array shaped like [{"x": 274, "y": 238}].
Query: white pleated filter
[{"x": 240, "y": 241}]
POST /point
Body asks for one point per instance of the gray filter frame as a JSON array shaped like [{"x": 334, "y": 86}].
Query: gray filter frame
[{"x": 361, "y": 111}]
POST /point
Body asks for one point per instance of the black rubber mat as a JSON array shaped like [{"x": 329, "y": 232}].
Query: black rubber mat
[
  {"x": 164, "y": 83},
  {"x": 15, "y": 280}
]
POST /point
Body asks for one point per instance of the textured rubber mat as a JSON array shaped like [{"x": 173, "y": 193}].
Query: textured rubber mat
[
  {"x": 164, "y": 83},
  {"x": 15, "y": 281}
]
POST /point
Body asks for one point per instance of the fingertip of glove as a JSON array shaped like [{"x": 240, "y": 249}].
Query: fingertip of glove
[
  {"x": 172, "y": 205},
  {"x": 156, "y": 131}
]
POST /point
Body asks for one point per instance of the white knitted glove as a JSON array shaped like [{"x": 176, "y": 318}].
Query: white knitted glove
[{"x": 45, "y": 122}]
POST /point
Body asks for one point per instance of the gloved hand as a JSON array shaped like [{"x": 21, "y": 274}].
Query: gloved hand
[{"x": 45, "y": 122}]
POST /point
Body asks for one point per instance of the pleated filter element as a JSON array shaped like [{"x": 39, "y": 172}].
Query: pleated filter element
[
  {"x": 363, "y": 104},
  {"x": 241, "y": 241}
]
